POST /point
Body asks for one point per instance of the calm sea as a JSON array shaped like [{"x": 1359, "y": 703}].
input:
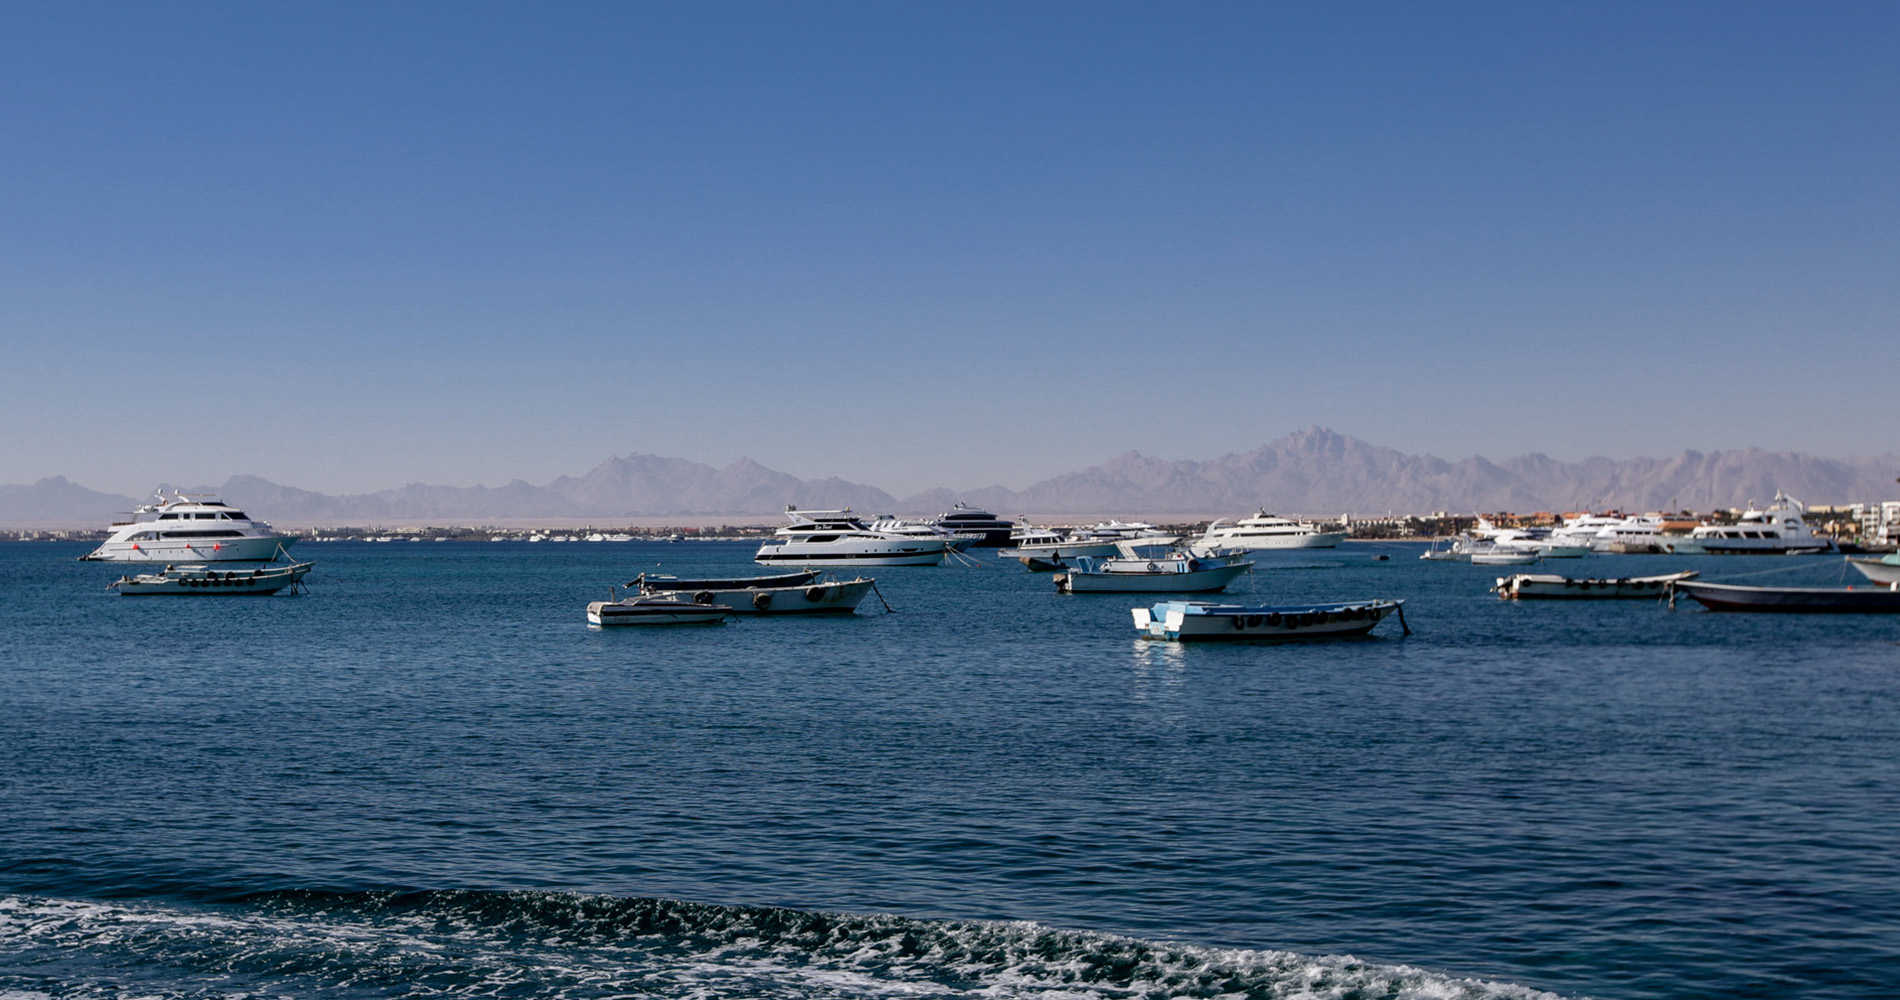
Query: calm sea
[{"x": 428, "y": 776}]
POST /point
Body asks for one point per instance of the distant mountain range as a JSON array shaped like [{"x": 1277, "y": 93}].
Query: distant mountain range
[{"x": 1315, "y": 471}]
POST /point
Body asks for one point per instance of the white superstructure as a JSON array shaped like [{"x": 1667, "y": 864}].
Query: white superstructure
[
  {"x": 189, "y": 529},
  {"x": 1266, "y": 531},
  {"x": 839, "y": 538}
]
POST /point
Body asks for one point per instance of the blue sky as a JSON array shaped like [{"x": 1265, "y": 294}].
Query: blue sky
[{"x": 351, "y": 246}]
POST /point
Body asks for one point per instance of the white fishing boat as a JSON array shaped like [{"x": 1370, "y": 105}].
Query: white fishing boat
[
  {"x": 1188, "y": 621},
  {"x": 839, "y": 538},
  {"x": 189, "y": 528},
  {"x": 1162, "y": 569},
  {"x": 1265, "y": 531},
  {"x": 1778, "y": 530},
  {"x": 1550, "y": 586},
  {"x": 1495, "y": 556},
  {"x": 1886, "y": 570},
  {"x": 650, "y": 609},
  {"x": 201, "y": 580}
]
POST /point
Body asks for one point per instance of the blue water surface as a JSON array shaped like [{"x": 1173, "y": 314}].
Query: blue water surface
[{"x": 428, "y": 774}]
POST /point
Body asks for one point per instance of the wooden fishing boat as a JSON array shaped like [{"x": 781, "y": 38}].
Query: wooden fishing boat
[
  {"x": 1790, "y": 600},
  {"x": 210, "y": 581},
  {"x": 811, "y": 597},
  {"x": 1193, "y": 621},
  {"x": 653, "y": 583},
  {"x": 1550, "y": 586}
]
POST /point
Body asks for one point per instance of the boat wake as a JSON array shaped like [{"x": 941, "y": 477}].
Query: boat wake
[{"x": 536, "y": 944}]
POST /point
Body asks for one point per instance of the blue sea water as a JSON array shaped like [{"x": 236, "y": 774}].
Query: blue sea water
[{"x": 428, "y": 776}]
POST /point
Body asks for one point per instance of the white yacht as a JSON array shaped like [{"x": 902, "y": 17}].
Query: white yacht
[
  {"x": 1637, "y": 533},
  {"x": 839, "y": 538},
  {"x": 891, "y": 524},
  {"x": 189, "y": 529},
  {"x": 1266, "y": 531},
  {"x": 1583, "y": 530},
  {"x": 1779, "y": 530}
]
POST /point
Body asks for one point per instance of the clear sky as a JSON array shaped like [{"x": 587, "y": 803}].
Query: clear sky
[{"x": 351, "y": 246}]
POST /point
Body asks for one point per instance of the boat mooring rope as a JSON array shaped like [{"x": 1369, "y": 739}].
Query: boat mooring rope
[{"x": 880, "y": 598}]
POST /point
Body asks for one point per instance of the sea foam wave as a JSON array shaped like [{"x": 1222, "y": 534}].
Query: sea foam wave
[{"x": 535, "y": 944}]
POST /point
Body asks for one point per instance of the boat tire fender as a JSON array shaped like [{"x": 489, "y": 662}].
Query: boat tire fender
[
  {"x": 1254, "y": 621},
  {"x": 815, "y": 593},
  {"x": 761, "y": 601},
  {"x": 1239, "y": 623},
  {"x": 703, "y": 597},
  {"x": 1275, "y": 620}
]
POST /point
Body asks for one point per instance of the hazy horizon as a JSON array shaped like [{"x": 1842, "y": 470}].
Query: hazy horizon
[{"x": 351, "y": 247}]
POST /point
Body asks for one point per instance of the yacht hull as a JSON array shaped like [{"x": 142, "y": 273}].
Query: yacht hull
[
  {"x": 162, "y": 550},
  {"x": 905, "y": 557}
]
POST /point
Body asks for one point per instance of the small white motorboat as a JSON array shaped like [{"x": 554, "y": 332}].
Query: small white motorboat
[
  {"x": 1160, "y": 569},
  {"x": 1188, "y": 621},
  {"x": 1550, "y": 586},
  {"x": 210, "y": 581},
  {"x": 1503, "y": 557},
  {"x": 652, "y": 609}
]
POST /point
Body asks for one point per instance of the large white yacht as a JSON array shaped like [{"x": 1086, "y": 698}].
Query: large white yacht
[
  {"x": 1779, "y": 530},
  {"x": 1583, "y": 530},
  {"x": 839, "y": 538},
  {"x": 1636, "y": 533},
  {"x": 189, "y": 529},
  {"x": 1266, "y": 531}
]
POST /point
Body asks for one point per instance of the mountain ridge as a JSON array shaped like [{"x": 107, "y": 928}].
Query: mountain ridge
[{"x": 1315, "y": 471}]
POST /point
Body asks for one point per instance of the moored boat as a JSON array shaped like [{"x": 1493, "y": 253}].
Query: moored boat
[
  {"x": 653, "y": 609},
  {"x": 1266, "y": 531},
  {"x": 654, "y": 582},
  {"x": 1885, "y": 570},
  {"x": 1158, "y": 569},
  {"x": 209, "y": 581},
  {"x": 1189, "y": 621},
  {"x": 839, "y": 538},
  {"x": 1777, "y": 530},
  {"x": 1502, "y": 557},
  {"x": 1550, "y": 586},
  {"x": 1790, "y": 600},
  {"x": 184, "y": 528},
  {"x": 811, "y": 597}
]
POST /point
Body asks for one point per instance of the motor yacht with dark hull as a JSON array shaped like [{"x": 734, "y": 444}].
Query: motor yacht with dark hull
[
  {"x": 992, "y": 532},
  {"x": 189, "y": 529},
  {"x": 839, "y": 538}
]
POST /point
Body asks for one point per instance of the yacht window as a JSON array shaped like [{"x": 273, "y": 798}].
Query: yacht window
[
  {"x": 237, "y": 515},
  {"x": 168, "y": 517},
  {"x": 822, "y": 538}
]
